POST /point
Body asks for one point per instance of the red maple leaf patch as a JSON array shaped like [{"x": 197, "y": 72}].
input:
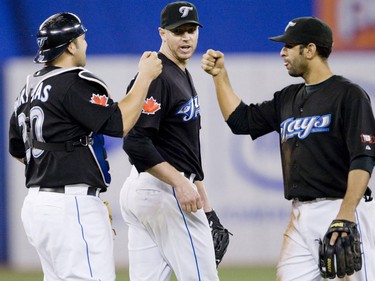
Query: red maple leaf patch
[
  {"x": 150, "y": 106},
  {"x": 99, "y": 99}
]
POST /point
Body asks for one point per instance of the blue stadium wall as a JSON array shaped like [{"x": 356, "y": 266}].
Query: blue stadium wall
[{"x": 130, "y": 27}]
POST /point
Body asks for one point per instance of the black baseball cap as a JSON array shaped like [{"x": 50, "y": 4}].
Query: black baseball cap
[
  {"x": 178, "y": 13},
  {"x": 306, "y": 30}
]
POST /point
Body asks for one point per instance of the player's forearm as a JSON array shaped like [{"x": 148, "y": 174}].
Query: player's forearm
[
  {"x": 228, "y": 100},
  {"x": 187, "y": 196},
  {"x": 357, "y": 184},
  {"x": 167, "y": 173},
  {"x": 131, "y": 106}
]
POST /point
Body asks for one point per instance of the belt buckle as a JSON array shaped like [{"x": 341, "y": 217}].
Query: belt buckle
[{"x": 86, "y": 141}]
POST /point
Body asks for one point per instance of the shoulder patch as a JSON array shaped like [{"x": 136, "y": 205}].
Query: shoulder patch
[
  {"x": 150, "y": 106},
  {"x": 367, "y": 138},
  {"x": 99, "y": 99}
]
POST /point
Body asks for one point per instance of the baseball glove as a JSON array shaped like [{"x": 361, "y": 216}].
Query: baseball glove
[
  {"x": 220, "y": 236},
  {"x": 344, "y": 257}
]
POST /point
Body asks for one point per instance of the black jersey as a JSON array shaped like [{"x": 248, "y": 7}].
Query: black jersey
[
  {"x": 63, "y": 105},
  {"x": 168, "y": 129},
  {"x": 321, "y": 132}
]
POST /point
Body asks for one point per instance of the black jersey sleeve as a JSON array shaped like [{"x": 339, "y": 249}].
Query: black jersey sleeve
[
  {"x": 91, "y": 106},
  {"x": 113, "y": 127},
  {"x": 237, "y": 120},
  {"x": 358, "y": 123},
  {"x": 366, "y": 163},
  {"x": 141, "y": 150},
  {"x": 254, "y": 119}
]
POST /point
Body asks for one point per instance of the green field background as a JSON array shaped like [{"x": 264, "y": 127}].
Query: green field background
[{"x": 225, "y": 274}]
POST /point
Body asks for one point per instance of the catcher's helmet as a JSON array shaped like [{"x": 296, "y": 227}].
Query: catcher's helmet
[{"x": 55, "y": 34}]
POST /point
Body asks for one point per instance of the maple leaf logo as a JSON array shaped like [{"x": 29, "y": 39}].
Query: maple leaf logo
[
  {"x": 99, "y": 99},
  {"x": 150, "y": 106}
]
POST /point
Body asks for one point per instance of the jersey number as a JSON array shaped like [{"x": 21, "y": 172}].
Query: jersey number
[{"x": 36, "y": 124}]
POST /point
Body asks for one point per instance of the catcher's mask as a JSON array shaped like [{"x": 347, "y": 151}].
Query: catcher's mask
[{"x": 55, "y": 34}]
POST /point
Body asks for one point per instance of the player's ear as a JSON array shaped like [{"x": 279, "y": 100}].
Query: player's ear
[
  {"x": 310, "y": 50},
  {"x": 162, "y": 33},
  {"x": 72, "y": 47}
]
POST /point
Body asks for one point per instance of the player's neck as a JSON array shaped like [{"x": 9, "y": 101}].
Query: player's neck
[
  {"x": 180, "y": 63},
  {"x": 317, "y": 74},
  {"x": 66, "y": 61}
]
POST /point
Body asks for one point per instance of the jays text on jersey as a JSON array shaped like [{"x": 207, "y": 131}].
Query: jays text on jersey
[{"x": 310, "y": 120}]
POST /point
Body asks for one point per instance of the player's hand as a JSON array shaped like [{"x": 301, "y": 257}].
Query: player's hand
[
  {"x": 344, "y": 257},
  {"x": 213, "y": 62},
  {"x": 348, "y": 216},
  {"x": 188, "y": 197},
  {"x": 150, "y": 65}
]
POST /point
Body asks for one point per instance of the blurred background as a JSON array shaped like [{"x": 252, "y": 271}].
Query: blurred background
[{"x": 243, "y": 177}]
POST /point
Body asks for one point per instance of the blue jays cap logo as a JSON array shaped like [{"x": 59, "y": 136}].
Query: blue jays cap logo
[
  {"x": 40, "y": 41},
  {"x": 290, "y": 24},
  {"x": 184, "y": 10}
]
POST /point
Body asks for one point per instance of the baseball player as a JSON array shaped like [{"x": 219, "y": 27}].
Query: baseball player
[
  {"x": 327, "y": 130},
  {"x": 163, "y": 201},
  {"x": 56, "y": 131}
]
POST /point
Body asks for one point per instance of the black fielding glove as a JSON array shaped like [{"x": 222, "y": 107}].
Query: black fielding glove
[
  {"x": 343, "y": 258},
  {"x": 220, "y": 236}
]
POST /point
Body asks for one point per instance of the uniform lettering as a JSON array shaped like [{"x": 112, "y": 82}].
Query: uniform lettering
[
  {"x": 303, "y": 127},
  {"x": 41, "y": 93},
  {"x": 190, "y": 110},
  {"x": 21, "y": 99}
]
